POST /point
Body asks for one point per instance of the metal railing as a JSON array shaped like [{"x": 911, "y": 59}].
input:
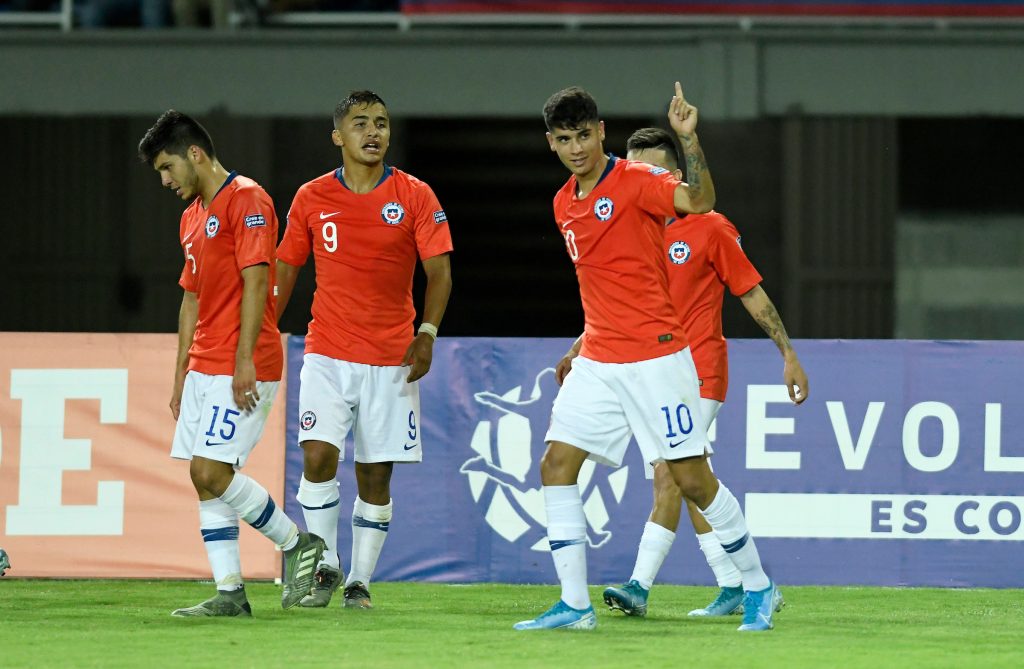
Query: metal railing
[
  {"x": 246, "y": 15},
  {"x": 63, "y": 18}
]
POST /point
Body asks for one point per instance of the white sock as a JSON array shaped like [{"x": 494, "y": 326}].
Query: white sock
[
  {"x": 218, "y": 523},
  {"x": 253, "y": 503},
  {"x": 726, "y": 573},
  {"x": 567, "y": 534},
  {"x": 726, "y": 519},
  {"x": 654, "y": 546},
  {"x": 370, "y": 524},
  {"x": 321, "y": 511}
]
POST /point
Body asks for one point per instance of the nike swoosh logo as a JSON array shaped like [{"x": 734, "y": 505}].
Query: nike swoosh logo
[
  {"x": 323, "y": 215},
  {"x": 683, "y": 441},
  {"x": 409, "y": 448},
  {"x": 215, "y": 443},
  {"x": 567, "y": 223},
  {"x": 187, "y": 237}
]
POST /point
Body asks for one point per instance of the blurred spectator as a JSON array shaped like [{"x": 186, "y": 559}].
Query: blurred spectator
[
  {"x": 197, "y": 13},
  {"x": 123, "y": 13}
]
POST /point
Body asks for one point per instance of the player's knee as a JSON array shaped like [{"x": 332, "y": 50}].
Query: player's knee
[
  {"x": 210, "y": 475},
  {"x": 319, "y": 461},
  {"x": 552, "y": 468},
  {"x": 666, "y": 492}
]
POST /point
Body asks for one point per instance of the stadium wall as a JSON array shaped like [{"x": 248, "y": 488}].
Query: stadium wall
[
  {"x": 904, "y": 467},
  {"x": 731, "y": 72}
]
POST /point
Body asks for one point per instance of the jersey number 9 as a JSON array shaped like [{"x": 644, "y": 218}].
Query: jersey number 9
[{"x": 330, "y": 233}]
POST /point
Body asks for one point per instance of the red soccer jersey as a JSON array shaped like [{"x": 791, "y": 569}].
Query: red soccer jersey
[
  {"x": 704, "y": 256},
  {"x": 237, "y": 231},
  {"x": 614, "y": 236},
  {"x": 365, "y": 247}
]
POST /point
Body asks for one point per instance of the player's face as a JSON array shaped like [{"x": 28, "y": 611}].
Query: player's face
[
  {"x": 656, "y": 157},
  {"x": 177, "y": 173},
  {"x": 580, "y": 150},
  {"x": 364, "y": 134}
]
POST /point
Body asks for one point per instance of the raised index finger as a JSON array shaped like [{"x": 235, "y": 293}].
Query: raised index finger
[{"x": 679, "y": 91}]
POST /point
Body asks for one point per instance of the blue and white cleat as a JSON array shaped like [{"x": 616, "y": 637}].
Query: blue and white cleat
[
  {"x": 728, "y": 602},
  {"x": 759, "y": 607},
  {"x": 631, "y": 599},
  {"x": 561, "y": 616}
]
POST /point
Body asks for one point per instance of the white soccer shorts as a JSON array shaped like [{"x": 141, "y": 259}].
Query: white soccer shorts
[
  {"x": 375, "y": 403},
  {"x": 601, "y": 405},
  {"x": 709, "y": 411},
  {"x": 210, "y": 424}
]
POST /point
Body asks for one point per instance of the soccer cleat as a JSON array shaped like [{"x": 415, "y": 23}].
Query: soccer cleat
[
  {"x": 728, "y": 602},
  {"x": 300, "y": 567},
  {"x": 561, "y": 616},
  {"x": 357, "y": 596},
  {"x": 631, "y": 599},
  {"x": 759, "y": 607},
  {"x": 327, "y": 581},
  {"x": 224, "y": 604}
]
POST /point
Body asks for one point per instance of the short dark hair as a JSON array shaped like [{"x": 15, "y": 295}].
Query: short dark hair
[
  {"x": 356, "y": 98},
  {"x": 570, "y": 109},
  {"x": 174, "y": 132},
  {"x": 654, "y": 138}
]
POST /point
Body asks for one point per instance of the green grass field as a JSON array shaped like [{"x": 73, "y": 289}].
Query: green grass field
[{"x": 126, "y": 624}]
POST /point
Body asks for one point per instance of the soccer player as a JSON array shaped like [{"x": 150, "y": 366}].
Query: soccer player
[
  {"x": 229, "y": 358},
  {"x": 704, "y": 257},
  {"x": 366, "y": 224},
  {"x": 634, "y": 374}
]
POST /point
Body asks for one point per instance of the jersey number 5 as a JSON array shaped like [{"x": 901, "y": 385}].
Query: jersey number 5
[{"x": 189, "y": 257}]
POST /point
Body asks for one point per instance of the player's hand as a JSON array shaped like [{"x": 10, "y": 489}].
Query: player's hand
[
  {"x": 243, "y": 385},
  {"x": 418, "y": 357},
  {"x": 682, "y": 116},
  {"x": 564, "y": 366},
  {"x": 795, "y": 379},
  {"x": 179, "y": 386}
]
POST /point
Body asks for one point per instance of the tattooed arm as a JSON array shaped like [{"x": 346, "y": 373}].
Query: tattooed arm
[
  {"x": 697, "y": 195},
  {"x": 760, "y": 307}
]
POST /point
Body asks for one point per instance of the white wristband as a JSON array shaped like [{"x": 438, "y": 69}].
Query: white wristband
[{"x": 428, "y": 329}]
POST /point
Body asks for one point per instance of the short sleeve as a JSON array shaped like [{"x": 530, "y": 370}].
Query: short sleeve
[
  {"x": 656, "y": 189},
  {"x": 255, "y": 227},
  {"x": 433, "y": 237},
  {"x": 187, "y": 280},
  {"x": 297, "y": 243},
  {"x": 730, "y": 261}
]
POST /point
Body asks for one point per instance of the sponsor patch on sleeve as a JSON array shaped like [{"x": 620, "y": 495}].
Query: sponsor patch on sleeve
[
  {"x": 658, "y": 170},
  {"x": 440, "y": 216},
  {"x": 255, "y": 221}
]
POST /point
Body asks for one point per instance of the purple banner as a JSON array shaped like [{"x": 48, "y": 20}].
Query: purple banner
[
  {"x": 906, "y": 8},
  {"x": 904, "y": 467}
]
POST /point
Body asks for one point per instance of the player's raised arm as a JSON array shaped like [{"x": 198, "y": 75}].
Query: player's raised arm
[
  {"x": 760, "y": 307},
  {"x": 697, "y": 195}
]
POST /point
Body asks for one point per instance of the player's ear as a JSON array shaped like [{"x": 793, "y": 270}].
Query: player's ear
[
  {"x": 600, "y": 130},
  {"x": 195, "y": 154},
  {"x": 336, "y": 138},
  {"x": 551, "y": 140},
  {"x": 678, "y": 174}
]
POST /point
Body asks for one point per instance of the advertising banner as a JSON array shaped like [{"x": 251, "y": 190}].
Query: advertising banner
[
  {"x": 87, "y": 486},
  {"x": 904, "y": 467}
]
